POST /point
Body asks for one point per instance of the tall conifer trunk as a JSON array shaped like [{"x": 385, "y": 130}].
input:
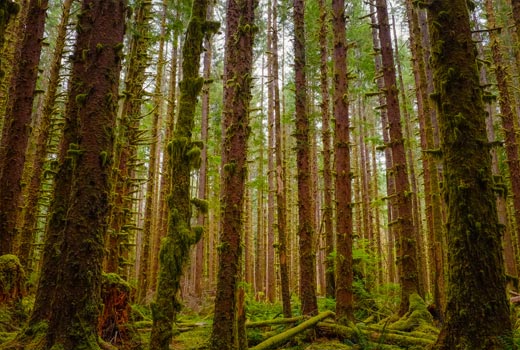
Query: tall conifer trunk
[
  {"x": 306, "y": 229},
  {"x": 477, "y": 312},
  {"x": 67, "y": 302},
  {"x": 184, "y": 156},
  {"x": 238, "y": 62},
  {"x": 344, "y": 224},
  {"x": 16, "y": 127},
  {"x": 406, "y": 244}
]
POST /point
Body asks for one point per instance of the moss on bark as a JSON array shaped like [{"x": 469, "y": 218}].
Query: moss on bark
[{"x": 477, "y": 310}]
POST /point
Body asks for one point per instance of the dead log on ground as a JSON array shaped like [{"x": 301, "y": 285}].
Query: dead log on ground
[
  {"x": 288, "y": 334},
  {"x": 343, "y": 332},
  {"x": 276, "y": 321}
]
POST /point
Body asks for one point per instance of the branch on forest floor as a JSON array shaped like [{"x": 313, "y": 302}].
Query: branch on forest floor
[{"x": 288, "y": 334}]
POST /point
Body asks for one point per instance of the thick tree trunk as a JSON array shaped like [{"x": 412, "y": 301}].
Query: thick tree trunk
[
  {"x": 474, "y": 246},
  {"x": 240, "y": 30},
  {"x": 16, "y": 127},
  {"x": 406, "y": 244},
  {"x": 68, "y": 294},
  {"x": 344, "y": 268}
]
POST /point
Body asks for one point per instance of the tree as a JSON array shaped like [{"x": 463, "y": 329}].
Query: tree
[
  {"x": 477, "y": 314},
  {"x": 328, "y": 209},
  {"x": 406, "y": 247},
  {"x": 240, "y": 31},
  {"x": 344, "y": 268},
  {"x": 184, "y": 157},
  {"x": 15, "y": 132},
  {"x": 67, "y": 302},
  {"x": 303, "y": 155},
  {"x": 8, "y": 9}
]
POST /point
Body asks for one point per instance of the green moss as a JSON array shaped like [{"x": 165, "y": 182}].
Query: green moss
[
  {"x": 418, "y": 318},
  {"x": 201, "y": 205}
]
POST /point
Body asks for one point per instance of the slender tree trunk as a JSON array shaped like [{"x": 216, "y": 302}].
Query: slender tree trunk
[
  {"x": 33, "y": 189},
  {"x": 344, "y": 225},
  {"x": 281, "y": 198},
  {"x": 8, "y": 9},
  {"x": 68, "y": 299},
  {"x": 15, "y": 132},
  {"x": 271, "y": 175},
  {"x": 390, "y": 182},
  {"x": 151, "y": 205},
  {"x": 506, "y": 103},
  {"x": 203, "y": 171},
  {"x": 240, "y": 30},
  {"x": 327, "y": 152},
  {"x": 184, "y": 156},
  {"x": 406, "y": 247},
  {"x": 306, "y": 229},
  {"x": 474, "y": 245}
]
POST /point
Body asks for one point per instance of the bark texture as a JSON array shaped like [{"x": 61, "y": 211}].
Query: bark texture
[
  {"x": 306, "y": 229},
  {"x": 67, "y": 302},
  {"x": 477, "y": 311},
  {"x": 238, "y": 61}
]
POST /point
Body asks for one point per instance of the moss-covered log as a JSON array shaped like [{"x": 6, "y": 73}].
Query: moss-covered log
[
  {"x": 288, "y": 334},
  {"x": 277, "y": 321},
  {"x": 357, "y": 335}
]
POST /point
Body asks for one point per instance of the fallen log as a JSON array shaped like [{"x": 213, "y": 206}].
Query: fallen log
[
  {"x": 288, "y": 334},
  {"x": 275, "y": 321},
  {"x": 343, "y": 332}
]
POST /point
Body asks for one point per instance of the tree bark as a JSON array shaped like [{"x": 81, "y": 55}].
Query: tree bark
[
  {"x": 406, "y": 243},
  {"x": 16, "y": 127},
  {"x": 68, "y": 299},
  {"x": 474, "y": 246},
  {"x": 184, "y": 156},
  {"x": 240, "y": 30},
  {"x": 344, "y": 225}
]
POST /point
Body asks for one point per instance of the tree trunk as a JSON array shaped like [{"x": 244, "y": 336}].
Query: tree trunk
[
  {"x": 281, "y": 198},
  {"x": 33, "y": 189},
  {"x": 474, "y": 246},
  {"x": 240, "y": 30},
  {"x": 327, "y": 153},
  {"x": 68, "y": 297},
  {"x": 306, "y": 229},
  {"x": 16, "y": 127},
  {"x": 406, "y": 247},
  {"x": 184, "y": 156},
  {"x": 344, "y": 225}
]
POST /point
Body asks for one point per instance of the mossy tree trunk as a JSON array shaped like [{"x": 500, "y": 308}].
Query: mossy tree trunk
[
  {"x": 151, "y": 204},
  {"x": 432, "y": 198},
  {"x": 281, "y": 198},
  {"x": 16, "y": 127},
  {"x": 306, "y": 229},
  {"x": 32, "y": 191},
  {"x": 390, "y": 183},
  {"x": 68, "y": 299},
  {"x": 328, "y": 208},
  {"x": 344, "y": 224},
  {"x": 507, "y": 112},
  {"x": 128, "y": 136},
  {"x": 238, "y": 62},
  {"x": 184, "y": 157},
  {"x": 477, "y": 312},
  {"x": 406, "y": 243},
  {"x": 8, "y": 9}
]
